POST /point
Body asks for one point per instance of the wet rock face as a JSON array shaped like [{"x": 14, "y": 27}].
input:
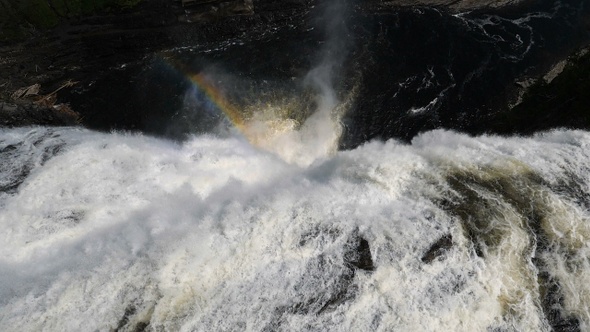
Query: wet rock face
[
  {"x": 198, "y": 11},
  {"x": 427, "y": 69},
  {"x": 414, "y": 68},
  {"x": 439, "y": 248},
  {"x": 454, "y": 5},
  {"x": 27, "y": 114},
  {"x": 328, "y": 280},
  {"x": 115, "y": 57},
  {"x": 358, "y": 254},
  {"x": 20, "y": 18},
  {"x": 560, "y": 98}
]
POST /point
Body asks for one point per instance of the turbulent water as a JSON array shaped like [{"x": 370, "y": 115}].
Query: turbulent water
[
  {"x": 257, "y": 222},
  {"x": 114, "y": 231}
]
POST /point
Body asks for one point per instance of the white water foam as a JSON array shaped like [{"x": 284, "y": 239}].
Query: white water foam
[{"x": 126, "y": 232}]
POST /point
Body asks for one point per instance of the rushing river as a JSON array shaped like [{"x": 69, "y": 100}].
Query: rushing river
[{"x": 105, "y": 231}]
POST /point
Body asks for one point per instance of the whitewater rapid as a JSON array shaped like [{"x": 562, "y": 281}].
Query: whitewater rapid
[{"x": 127, "y": 232}]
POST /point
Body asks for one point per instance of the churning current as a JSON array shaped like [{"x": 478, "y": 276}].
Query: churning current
[{"x": 450, "y": 233}]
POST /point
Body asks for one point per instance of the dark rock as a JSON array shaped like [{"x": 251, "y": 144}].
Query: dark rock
[
  {"x": 439, "y": 248},
  {"x": 17, "y": 177},
  {"x": 17, "y": 160},
  {"x": 8, "y": 108},
  {"x": 325, "y": 285},
  {"x": 328, "y": 282},
  {"x": 129, "y": 312},
  {"x": 141, "y": 327},
  {"x": 122, "y": 61},
  {"x": 124, "y": 322},
  {"x": 358, "y": 254},
  {"x": 27, "y": 113},
  {"x": 108, "y": 54},
  {"x": 453, "y": 5},
  {"x": 464, "y": 91},
  {"x": 560, "y": 100}
]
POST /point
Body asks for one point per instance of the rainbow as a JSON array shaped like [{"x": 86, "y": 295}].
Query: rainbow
[
  {"x": 257, "y": 132},
  {"x": 203, "y": 83}
]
